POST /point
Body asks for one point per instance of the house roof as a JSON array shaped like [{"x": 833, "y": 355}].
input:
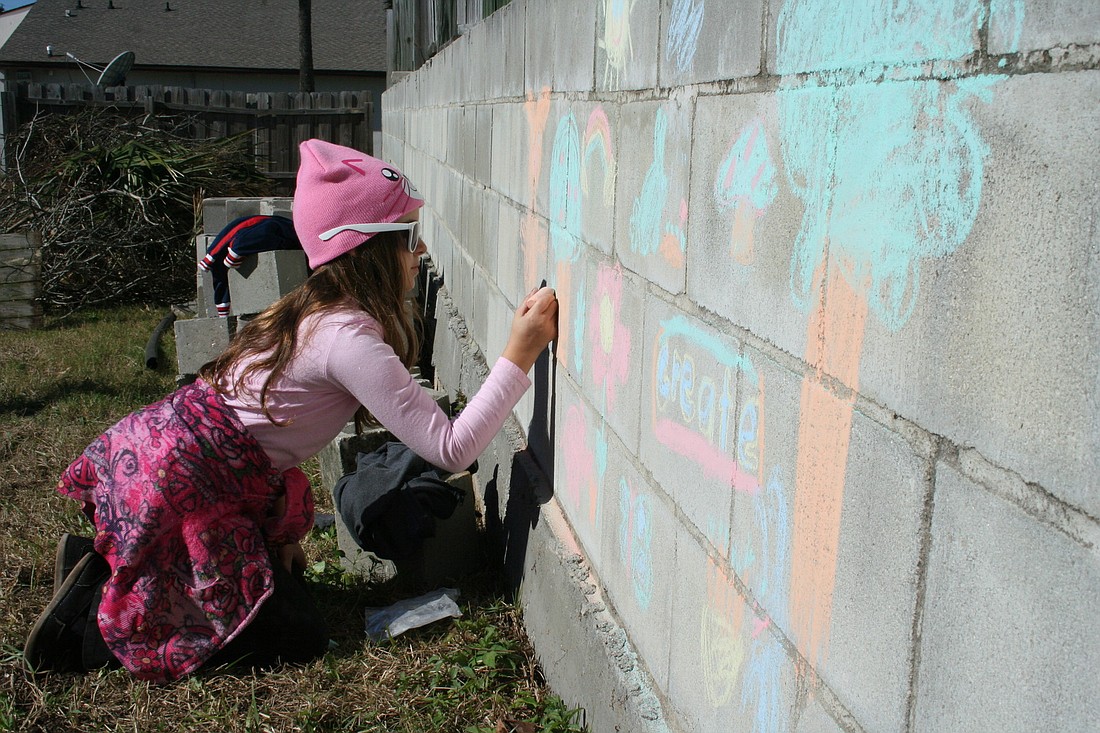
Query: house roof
[{"x": 348, "y": 35}]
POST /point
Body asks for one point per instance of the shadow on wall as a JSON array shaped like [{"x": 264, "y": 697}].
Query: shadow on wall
[{"x": 530, "y": 482}]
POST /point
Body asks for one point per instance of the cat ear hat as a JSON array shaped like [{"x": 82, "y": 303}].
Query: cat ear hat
[{"x": 337, "y": 186}]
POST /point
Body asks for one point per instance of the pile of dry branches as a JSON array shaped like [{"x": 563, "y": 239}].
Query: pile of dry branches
[{"x": 116, "y": 200}]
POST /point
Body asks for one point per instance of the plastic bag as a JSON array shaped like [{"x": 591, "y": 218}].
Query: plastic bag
[{"x": 411, "y": 613}]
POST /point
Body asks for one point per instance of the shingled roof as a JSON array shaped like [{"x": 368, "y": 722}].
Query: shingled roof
[{"x": 348, "y": 35}]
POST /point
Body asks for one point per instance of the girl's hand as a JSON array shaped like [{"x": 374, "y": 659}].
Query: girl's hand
[{"x": 534, "y": 326}]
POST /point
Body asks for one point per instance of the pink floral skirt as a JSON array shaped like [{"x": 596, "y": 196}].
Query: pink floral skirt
[{"x": 181, "y": 495}]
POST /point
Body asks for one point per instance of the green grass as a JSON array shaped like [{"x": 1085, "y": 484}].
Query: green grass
[{"x": 63, "y": 385}]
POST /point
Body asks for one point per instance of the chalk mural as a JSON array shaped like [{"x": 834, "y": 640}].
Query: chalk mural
[
  {"x": 694, "y": 402},
  {"x": 537, "y": 112},
  {"x": 651, "y": 228},
  {"x": 599, "y": 155},
  {"x": 685, "y": 22},
  {"x": 565, "y": 190},
  {"x": 746, "y": 185},
  {"x": 890, "y": 175},
  {"x": 573, "y": 162},
  {"x": 609, "y": 337},
  {"x": 616, "y": 41},
  {"x": 636, "y": 540},
  {"x": 585, "y": 459},
  {"x": 721, "y": 644}
]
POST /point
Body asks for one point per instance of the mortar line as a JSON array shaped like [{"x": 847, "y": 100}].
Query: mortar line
[{"x": 923, "y": 556}]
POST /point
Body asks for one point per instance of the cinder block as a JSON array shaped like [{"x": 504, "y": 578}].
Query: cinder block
[
  {"x": 473, "y": 232},
  {"x": 627, "y": 41},
  {"x": 651, "y": 199},
  {"x": 213, "y": 215},
  {"x": 509, "y": 252},
  {"x": 1053, "y": 24},
  {"x": 204, "y": 281},
  {"x": 510, "y": 163},
  {"x": 498, "y": 325},
  {"x": 278, "y": 206},
  {"x": 691, "y": 431},
  {"x": 729, "y": 663},
  {"x": 478, "y": 315},
  {"x": 706, "y": 42},
  {"x": 606, "y": 331},
  {"x": 877, "y": 536},
  {"x": 1004, "y": 330},
  {"x": 639, "y": 528},
  {"x": 243, "y": 206},
  {"x": 744, "y": 221},
  {"x": 815, "y": 719},
  {"x": 514, "y": 20},
  {"x": 581, "y": 468},
  {"x": 483, "y": 144},
  {"x": 488, "y": 233},
  {"x": 198, "y": 340},
  {"x": 265, "y": 277},
  {"x": 542, "y": 37},
  {"x": 1009, "y": 638},
  {"x": 766, "y": 449},
  {"x": 574, "y": 49}
]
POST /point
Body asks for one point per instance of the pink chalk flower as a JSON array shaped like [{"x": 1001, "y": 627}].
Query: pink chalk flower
[{"x": 610, "y": 339}]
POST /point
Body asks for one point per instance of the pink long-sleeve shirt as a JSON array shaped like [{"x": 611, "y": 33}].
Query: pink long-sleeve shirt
[{"x": 343, "y": 362}]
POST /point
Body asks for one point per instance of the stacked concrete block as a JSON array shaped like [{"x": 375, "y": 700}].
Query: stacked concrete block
[
  {"x": 260, "y": 281},
  {"x": 265, "y": 277},
  {"x": 198, "y": 340}
]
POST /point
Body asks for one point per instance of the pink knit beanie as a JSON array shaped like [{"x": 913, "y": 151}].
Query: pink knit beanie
[{"x": 338, "y": 185}]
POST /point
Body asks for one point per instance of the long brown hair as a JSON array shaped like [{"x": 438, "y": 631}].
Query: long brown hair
[{"x": 370, "y": 277}]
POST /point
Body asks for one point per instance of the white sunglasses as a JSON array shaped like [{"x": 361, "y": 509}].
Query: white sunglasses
[{"x": 412, "y": 227}]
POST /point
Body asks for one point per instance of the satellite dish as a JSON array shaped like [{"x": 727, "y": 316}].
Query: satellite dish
[
  {"x": 115, "y": 72},
  {"x": 110, "y": 75}
]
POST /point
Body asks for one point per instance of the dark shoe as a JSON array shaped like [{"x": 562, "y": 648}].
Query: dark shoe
[
  {"x": 57, "y": 638},
  {"x": 70, "y": 548}
]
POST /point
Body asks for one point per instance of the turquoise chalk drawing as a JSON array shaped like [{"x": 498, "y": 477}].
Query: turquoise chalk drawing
[
  {"x": 635, "y": 541},
  {"x": 760, "y": 690},
  {"x": 645, "y": 219},
  {"x": 746, "y": 185},
  {"x": 891, "y": 172},
  {"x": 812, "y": 35},
  {"x": 747, "y": 175},
  {"x": 652, "y": 228},
  {"x": 565, "y": 190},
  {"x": 685, "y": 22},
  {"x": 772, "y": 509}
]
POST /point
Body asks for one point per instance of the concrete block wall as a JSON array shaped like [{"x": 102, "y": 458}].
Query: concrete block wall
[{"x": 820, "y": 436}]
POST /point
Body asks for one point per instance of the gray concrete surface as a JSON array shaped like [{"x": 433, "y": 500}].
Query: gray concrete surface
[{"x": 825, "y": 389}]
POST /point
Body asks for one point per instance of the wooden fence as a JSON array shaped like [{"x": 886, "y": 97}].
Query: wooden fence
[
  {"x": 278, "y": 120},
  {"x": 19, "y": 281}
]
